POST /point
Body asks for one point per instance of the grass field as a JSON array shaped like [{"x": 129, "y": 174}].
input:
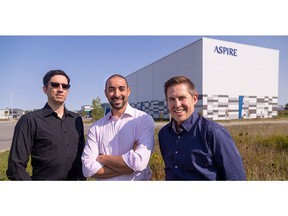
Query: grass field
[
  {"x": 264, "y": 149},
  {"x": 3, "y": 164}
]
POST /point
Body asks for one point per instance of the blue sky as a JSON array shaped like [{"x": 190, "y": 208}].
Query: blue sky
[{"x": 89, "y": 60}]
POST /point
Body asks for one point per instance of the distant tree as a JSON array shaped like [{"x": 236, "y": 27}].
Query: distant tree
[
  {"x": 97, "y": 111},
  {"x": 83, "y": 113},
  {"x": 286, "y": 106}
]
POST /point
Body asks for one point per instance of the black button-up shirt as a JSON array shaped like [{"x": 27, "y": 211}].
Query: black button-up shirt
[{"x": 55, "y": 146}]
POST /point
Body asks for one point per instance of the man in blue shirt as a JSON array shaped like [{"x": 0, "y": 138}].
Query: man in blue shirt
[{"x": 193, "y": 147}]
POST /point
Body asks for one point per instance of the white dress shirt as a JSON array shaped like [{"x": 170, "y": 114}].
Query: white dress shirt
[{"x": 109, "y": 136}]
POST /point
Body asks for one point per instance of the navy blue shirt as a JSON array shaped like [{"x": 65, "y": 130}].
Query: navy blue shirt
[
  {"x": 203, "y": 150},
  {"x": 54, "y": 144}
]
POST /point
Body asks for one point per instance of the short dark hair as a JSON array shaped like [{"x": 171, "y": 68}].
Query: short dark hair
[
  {"x": 179, "y": 80},
  {"x": 52, "y": 73},
  {"x": 116, "y": 75}
]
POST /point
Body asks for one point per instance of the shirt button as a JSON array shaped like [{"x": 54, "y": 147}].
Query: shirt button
[
  {"x": 176, "y": 167},
  {"x": 176, "y": 152}
]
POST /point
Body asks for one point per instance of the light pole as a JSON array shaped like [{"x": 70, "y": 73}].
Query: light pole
[{"x": 11, "y": 97}]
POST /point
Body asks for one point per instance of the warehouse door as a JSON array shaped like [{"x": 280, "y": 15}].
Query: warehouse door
[{"x": 241, "y": 98}]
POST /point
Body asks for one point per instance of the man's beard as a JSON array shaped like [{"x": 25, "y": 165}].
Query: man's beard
[{"x": 120, "y": 106}]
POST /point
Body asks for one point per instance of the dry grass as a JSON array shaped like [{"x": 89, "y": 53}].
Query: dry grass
[{"x": 264, "y": 149}]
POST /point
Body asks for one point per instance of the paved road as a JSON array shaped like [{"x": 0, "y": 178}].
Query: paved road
[
  {"x": 7, "y": 129},
  {"x": 6, "y": 133}
]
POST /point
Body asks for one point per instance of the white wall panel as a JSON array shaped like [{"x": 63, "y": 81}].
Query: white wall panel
[{"x": 254, "y": 71}]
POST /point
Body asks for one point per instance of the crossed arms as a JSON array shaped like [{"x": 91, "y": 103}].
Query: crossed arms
[{"x": 112, "y": 166}]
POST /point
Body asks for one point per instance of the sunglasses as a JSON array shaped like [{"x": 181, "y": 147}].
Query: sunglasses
[{"x": 56, "y": 85}]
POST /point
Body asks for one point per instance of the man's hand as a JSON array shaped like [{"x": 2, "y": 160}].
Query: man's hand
[{"x": 100, "y": 158}]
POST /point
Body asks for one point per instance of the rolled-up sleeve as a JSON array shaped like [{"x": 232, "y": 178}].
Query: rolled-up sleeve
[
  {"x": 91, "y": 151},
  {"x": 138, "y": 160}
]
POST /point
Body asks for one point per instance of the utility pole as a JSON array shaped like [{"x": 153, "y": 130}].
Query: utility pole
[{"x": 11, "y": 97}]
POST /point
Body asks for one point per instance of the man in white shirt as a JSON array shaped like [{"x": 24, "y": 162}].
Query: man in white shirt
[{"x": 119, "y": 145}]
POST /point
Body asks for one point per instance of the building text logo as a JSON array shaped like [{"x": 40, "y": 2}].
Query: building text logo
[{"x": 225, "y": 50}]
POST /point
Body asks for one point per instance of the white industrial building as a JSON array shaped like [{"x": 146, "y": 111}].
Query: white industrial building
[
  {"x": 4, "y": 114},
  {"x": 233, "y": 80},
  {"x": 9, "y": 113}
]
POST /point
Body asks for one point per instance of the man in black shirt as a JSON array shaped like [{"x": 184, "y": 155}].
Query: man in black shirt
[{"x": 53, "y": 136}]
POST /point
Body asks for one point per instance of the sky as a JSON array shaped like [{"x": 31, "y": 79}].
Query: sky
[{"x": 90, "y": 60}]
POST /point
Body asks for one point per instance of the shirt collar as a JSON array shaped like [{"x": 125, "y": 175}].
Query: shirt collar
[
  {"x": 186, "y": 125},
  {"x": 47, "y": 110},
  {"x": 128, "y": 111}
]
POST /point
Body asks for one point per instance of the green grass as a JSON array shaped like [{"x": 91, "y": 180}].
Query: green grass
[
  {"x": 283, "y": 114},
  {"x": 3, "y": 164}
]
